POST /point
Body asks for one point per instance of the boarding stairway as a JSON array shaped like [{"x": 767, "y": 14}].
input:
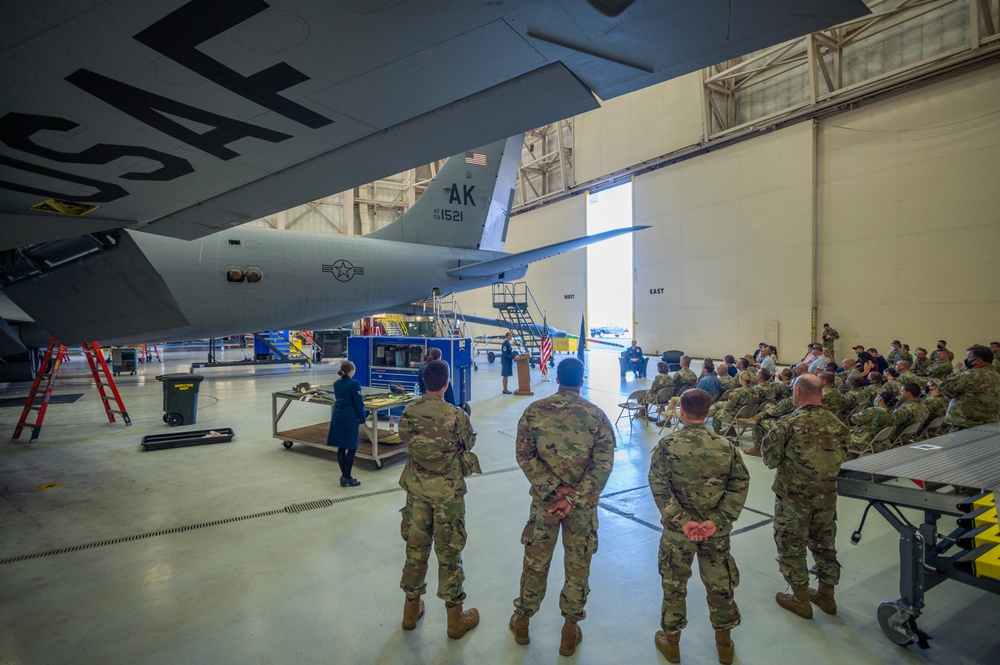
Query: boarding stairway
[
  {"x": 48, "y": 370},
  {"x": 512, "y": 300},
  {"x": 394, "y": 325}
]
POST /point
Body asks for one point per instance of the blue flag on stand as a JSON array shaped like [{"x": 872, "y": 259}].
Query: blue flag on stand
[{"x": 582, "y": 346}]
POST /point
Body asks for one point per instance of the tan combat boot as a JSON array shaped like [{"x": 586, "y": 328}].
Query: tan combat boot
[
  {"x": 755, "y": 451},
  {"x": 824, "y": 598},
  {"x": 724, "y": 645},
  {"x": 571, "y": 636},
  {"x": 669, "y": 644},
  {"x": 797, "y": 602},
  {"x": 519, "y": 626},
  {"x": 412, "y": 611},
  {"x": 460, "y": 622}
]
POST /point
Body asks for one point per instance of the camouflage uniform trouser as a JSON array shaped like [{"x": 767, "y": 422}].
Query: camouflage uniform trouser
[
  {"x": 718, "y": 573},
  {"x": 721, "y": 418},
  {"x": 579, "y": 537},
  {"x": 444, "y": 525},
  {"x": 761, "y": 429},
  {"x": 957, "y": 419},
  {"x": 801, "y": 524}
]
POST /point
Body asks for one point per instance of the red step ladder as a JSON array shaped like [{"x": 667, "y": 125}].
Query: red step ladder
[
  {"x": 99, "y": 368},
  {"x": 150, "y": 350},
  {"x": 38, "y": 398}
]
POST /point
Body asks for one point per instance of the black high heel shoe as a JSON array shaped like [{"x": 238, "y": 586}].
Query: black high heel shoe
[
  {"x": 353, "y": 482},
  {"x": 344, "y": 482}
]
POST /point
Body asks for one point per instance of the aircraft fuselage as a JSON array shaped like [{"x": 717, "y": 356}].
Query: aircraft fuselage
[{"x": 308, "y": 280}]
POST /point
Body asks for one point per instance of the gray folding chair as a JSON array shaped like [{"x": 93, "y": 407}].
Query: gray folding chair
[
  {"x": 877, "y": 439},
  {"x": 635, "y": 404},
  {"x": 906, "y": 435},
  {"x": 934, "y": 427}
]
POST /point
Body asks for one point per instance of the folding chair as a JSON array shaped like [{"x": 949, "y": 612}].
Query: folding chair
[
  {"x": 906, "y": 435},
  {"x": 735, "y": 429},
  {"x": 632, "y": 406},
  {"x": 878, "y": 438},
  {"x": 660, "y": 403},
  {"x": 670, "y": 416},
  {"x": 933, "y": 428}
]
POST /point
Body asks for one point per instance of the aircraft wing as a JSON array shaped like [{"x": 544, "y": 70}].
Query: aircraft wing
[
  {"x": 512, "y": 261},
  {"x": 183, "y": 118}
]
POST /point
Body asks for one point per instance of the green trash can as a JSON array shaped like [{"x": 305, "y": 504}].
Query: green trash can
[{"x": 180, "y": 398}]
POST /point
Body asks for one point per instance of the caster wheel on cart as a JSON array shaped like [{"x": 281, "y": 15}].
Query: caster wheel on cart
[
  {"x": 164, "y": 417},
  {"x": 490, "y": 357},
  {"x": 378, "y": 464},
  {"x": 174, "y": 419},
  {"x": 286, "y": 444},
  {"x": 475, "y": 367},
  {"x": 892, "y": 619}
]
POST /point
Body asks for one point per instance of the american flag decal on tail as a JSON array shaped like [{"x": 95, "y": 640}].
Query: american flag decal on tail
[{"x": 476, "y": 158}]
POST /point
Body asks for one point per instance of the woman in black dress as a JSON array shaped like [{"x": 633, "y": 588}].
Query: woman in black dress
[{"x": 348, "y": 413}]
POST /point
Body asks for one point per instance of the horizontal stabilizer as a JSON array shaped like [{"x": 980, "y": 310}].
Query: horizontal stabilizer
[
  {"x": 512, "y": 261},
  {"x": 529, "y": 328}
]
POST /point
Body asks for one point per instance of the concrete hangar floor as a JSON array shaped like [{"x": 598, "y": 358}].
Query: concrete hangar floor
[{"x": 253, "y": 583}]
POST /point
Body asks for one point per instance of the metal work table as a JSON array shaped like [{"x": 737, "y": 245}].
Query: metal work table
[
  {"x": 914, "y": 476},
  {"x": 376, "y": 402}
]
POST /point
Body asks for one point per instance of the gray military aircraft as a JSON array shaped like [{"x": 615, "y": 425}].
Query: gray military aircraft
[
  {"x": 183, "y": 118},
  {"x": 142, "y": 287}
]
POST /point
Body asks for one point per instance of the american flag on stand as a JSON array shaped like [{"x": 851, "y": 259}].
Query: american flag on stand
[
  {"x": 546, "y": 348},
  {"x": 477, "y": 158}
]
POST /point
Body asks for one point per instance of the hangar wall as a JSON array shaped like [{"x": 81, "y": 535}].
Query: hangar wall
[{"x": 904, "y": 211}]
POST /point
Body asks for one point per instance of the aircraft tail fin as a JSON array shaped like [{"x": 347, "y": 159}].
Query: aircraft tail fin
[{"x": 467, "y": 205}]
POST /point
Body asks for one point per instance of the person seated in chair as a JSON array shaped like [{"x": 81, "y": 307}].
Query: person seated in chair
[
  {"x": 871, "y": 421},
  {"x": 635, "y": 361},
  {"x": 661, "y": 381},
  {"x": 724, "y": 413}
]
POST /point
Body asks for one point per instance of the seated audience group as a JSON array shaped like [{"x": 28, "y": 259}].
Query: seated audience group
[{"x": 912, "y": 393}]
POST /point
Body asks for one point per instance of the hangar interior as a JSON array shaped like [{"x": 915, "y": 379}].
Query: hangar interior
[{"x": 877, "y": 215}]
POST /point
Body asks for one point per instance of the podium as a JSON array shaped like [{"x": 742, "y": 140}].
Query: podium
[{"x": 523, "y": 375}]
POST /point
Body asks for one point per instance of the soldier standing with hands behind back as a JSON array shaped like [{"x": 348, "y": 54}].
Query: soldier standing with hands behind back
[
  {"x": 699, "y": 483},
  {"x": 565, "y": 446},
  {"x": 436, "y": 433}
]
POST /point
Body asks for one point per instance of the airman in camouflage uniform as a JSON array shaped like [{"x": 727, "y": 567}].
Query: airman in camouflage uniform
[
  {"x": 830, "y": 335},
  {"x": 892, "y": 382},
  {"x": 870, "y": 422},
  {"x": 975, "y": 394},
  {"x": 995, "y": 348},
  {"x": 943, "y": 346},
  {"x": 684, "y": 378},
  {"x": 833, "y": 399},
  {"x": 905, "y": 375},
  {"x": 764, "y": 421},
  {"x": 898, "y": 353},
  {"x": 807, "y": 449},
  {"x": 850, "y": 366},
  {"x": 435, "y": 433},
  {"x": 565, "y": 446},
  {"x": 936, "y": 403},
  {"x": 726, "y": 382},
  {"x": 855, "y": 397},
  {"x": 699, "y": 482},
  {"x": 910, "y": 410},
  {"x": 723, "y": 413},
  {"x": 660, "y": 382},
  {"x": 921, "y": 363},
  {"x": 874, "y": 386},
  {"x": 942, "y": 367}
]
